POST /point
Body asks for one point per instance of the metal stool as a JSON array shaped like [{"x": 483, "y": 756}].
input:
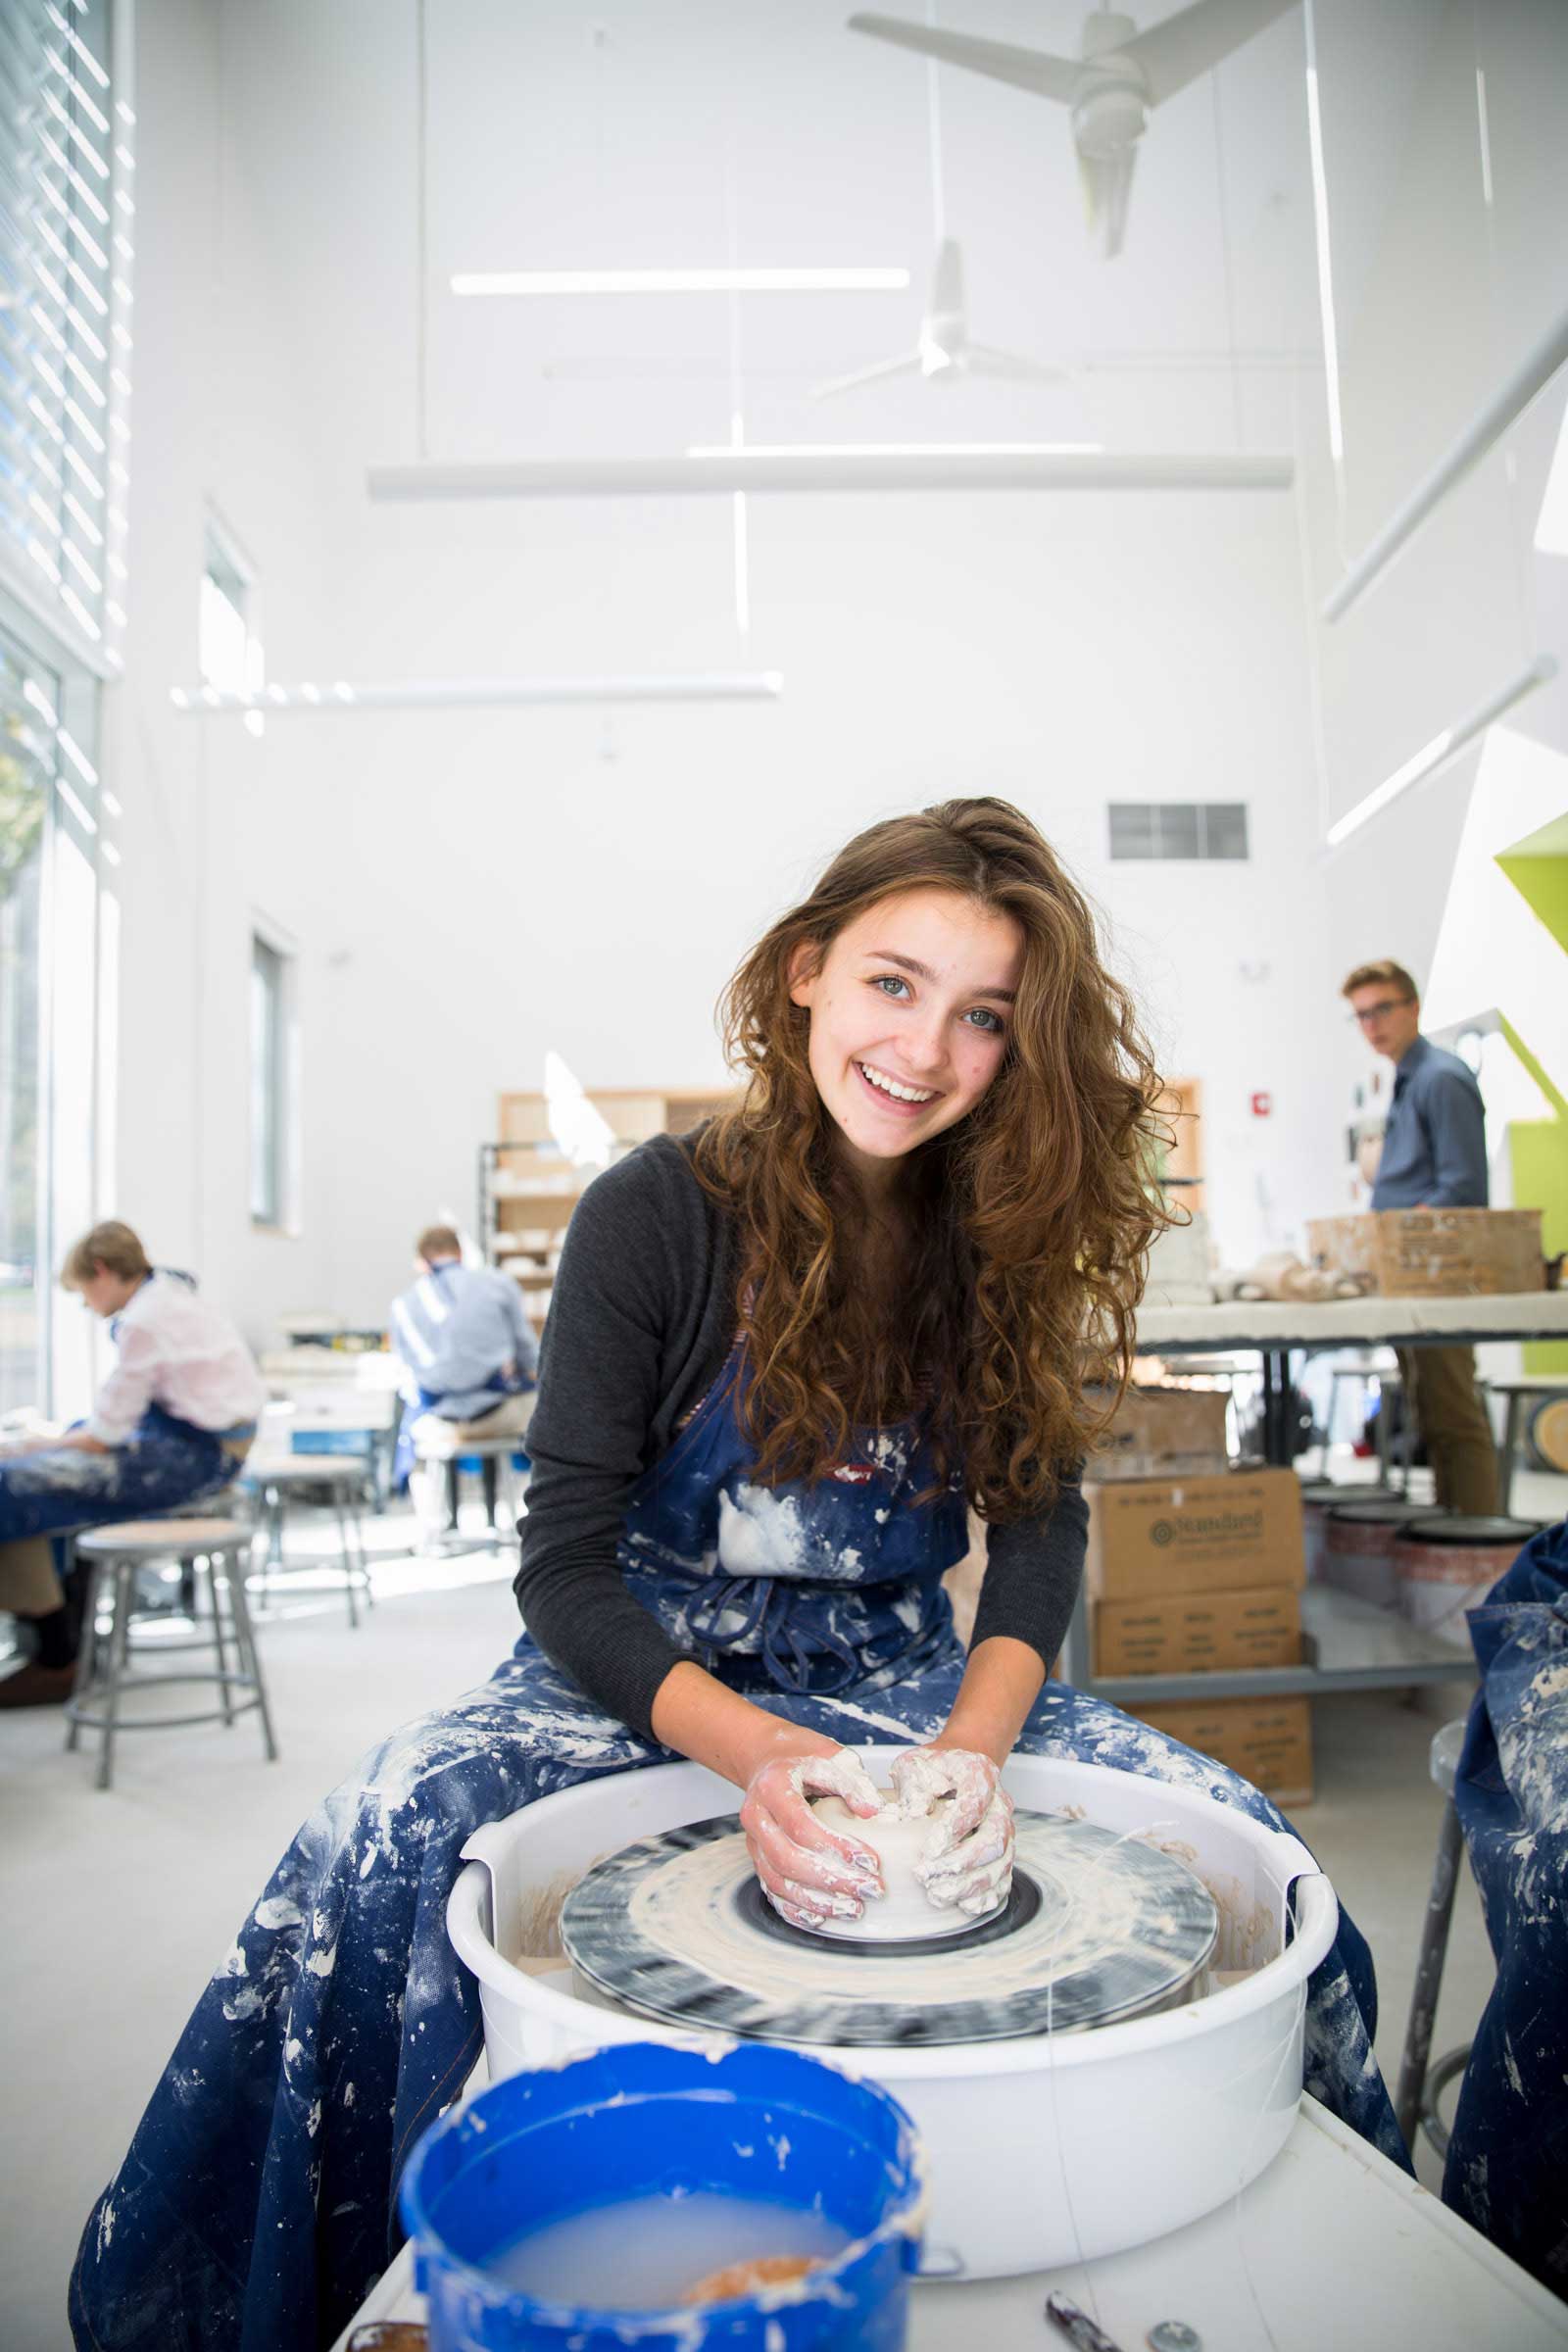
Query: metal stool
[
  {"x": 1421, "y": 2086},
  {"x": 215, "y": 1552},
  {"x": 493, "y": 1454},
  {"x": 342, "y": 1478}
]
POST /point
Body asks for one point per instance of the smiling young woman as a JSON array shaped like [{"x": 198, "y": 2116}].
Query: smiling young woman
[{"x": 785, "y": 1358}]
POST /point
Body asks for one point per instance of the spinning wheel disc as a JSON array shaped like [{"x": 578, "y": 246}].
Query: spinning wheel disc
[{"x": 1098, "y": 1928}]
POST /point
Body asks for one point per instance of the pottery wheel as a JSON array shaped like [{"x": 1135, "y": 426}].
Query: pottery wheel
[{"x": 1098, "y": 1927}]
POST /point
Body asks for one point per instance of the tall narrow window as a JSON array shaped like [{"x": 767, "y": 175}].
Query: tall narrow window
[
  {"x": 66, "y": 221},
  {"x": 229, "y": 644},
  {"x": 268, "y": 1083},
  {"x": 50, "y": 893}
]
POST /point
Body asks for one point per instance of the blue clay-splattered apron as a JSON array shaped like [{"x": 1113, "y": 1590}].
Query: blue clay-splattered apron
[
  {"x": 1508, "y": 2151},
  {"x": 165, "y": 1461},
  {"x": 254, "y": 2209}
]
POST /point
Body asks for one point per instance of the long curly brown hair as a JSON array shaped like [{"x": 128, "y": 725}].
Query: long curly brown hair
[{"x": 1029, "y": 1220}]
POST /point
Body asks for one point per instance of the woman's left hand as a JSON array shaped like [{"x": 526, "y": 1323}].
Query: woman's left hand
[{"x": 968, "y": 1863}]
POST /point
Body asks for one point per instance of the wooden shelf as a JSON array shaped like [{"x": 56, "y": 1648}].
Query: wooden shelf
[{"x": 529, "y": 1187}]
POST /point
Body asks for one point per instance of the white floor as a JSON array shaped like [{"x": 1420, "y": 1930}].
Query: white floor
[{"x": 118, "y": 1904}]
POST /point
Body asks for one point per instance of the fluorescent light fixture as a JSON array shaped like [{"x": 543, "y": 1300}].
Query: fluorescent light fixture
[
  {"x": 1325, "y": 263},
  {"x": 680, "y": 281},
  {"x": 1512, "y": 397},
  {"x": 722, "y": 470},
  {"x": 1442, "y": 747},
  {"x": 897, "y": 449},
  {"x": 457, "y": 694}
]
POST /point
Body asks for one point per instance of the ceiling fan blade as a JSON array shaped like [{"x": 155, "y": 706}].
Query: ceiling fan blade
[
  {"x": 1172, "y": 54},
  {"x": 1033, "y": 69},
  {"x": 985, "y": 358},
  {"x": 908, "y": 364},
  {"x": 1107, "y": 181}
]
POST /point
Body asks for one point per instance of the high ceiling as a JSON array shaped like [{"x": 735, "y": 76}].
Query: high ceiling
[{"x": 646, "y": 133}]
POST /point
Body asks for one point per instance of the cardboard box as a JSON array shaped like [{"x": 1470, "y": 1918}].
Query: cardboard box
[
  {"x": 1163, "y": 1433},
  {"x": 1199, "y": 1633},
  {"x": 1225, "y": 1534},
  {"x": 1433, "y": 1253},
  {"x": 1267, "y": 1740}
]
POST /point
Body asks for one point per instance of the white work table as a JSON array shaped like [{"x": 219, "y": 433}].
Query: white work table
[
  {"x": 1274, "y": 1324},
  {"x": 1332, "y": 2249}
]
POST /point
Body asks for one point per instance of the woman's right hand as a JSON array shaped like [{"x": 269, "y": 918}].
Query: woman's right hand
[{"x": 808, "y": 1874}]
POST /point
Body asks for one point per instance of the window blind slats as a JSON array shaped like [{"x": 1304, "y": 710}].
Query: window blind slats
[{"x": 66, "y": 162}]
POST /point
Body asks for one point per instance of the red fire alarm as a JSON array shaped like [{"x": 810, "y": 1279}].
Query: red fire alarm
[{"x": 1262, "y": 1105}]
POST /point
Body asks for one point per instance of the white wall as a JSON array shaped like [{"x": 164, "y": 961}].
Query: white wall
[
  {"x": 514, "y": 889},
  {"x": 214, "y": 824},
  {"x": 471, "y": 889}
]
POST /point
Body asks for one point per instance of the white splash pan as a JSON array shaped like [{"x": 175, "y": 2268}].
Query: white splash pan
[{"x": 1040, "y": 2151}]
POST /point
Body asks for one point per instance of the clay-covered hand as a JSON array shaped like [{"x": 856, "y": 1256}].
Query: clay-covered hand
[
  {"x": 969, "y": 1857},
  {"x": 807, "y": 1874}
]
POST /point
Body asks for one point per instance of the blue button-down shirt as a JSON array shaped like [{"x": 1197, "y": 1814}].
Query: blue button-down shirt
[
  {"x": 1434, "y": 1145},
  {"x": 459, "y": 1331}
]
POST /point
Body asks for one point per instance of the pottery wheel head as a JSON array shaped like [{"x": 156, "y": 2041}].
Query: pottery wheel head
[{"x": 1096, "y": 1927}]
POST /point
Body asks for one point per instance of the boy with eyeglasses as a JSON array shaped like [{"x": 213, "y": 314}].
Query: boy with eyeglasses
[{"x": 1434, "y": 1157}]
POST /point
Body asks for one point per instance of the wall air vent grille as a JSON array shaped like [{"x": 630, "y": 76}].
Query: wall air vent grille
[{"x": 1184, "y": 829}]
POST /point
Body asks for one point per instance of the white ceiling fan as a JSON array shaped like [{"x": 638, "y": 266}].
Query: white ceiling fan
[
  {"x": 944, "y": 347},
  {"x": 1120, "y": 75}
]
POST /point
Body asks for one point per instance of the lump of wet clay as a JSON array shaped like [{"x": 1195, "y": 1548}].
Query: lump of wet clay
[{"x": 899, "y": 1840}]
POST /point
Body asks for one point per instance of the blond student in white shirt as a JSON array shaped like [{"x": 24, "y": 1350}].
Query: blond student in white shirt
[{"x": 171, "y": 1423}]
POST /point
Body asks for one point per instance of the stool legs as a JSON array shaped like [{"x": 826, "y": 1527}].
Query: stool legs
[
  {"x": 1429, "y": 1976},
  {"x": 249, "y": 1663},
  {"x": 87, "y": 1654},
  {"x": 125, "y": 1572},
  {"x": 226, "y": 1697},
  {"x": 340, "y": 1515}
]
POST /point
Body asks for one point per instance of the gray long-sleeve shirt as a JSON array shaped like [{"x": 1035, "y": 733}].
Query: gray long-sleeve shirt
[
  {"x": 1434, "y": 1145},
  {"x": 643, "y": 1316}
]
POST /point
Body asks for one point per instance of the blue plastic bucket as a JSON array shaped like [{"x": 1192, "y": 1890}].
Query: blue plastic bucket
[{"x": 644, "y": 2118}]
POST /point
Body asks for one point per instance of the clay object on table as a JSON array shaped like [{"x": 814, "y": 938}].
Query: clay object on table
[{"x": 904, "y": 1911}]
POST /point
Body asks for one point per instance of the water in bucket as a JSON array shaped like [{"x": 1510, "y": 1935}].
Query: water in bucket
[
  {"x": 652, "y": 2252},
  {"x": 577, "y": 2206}
]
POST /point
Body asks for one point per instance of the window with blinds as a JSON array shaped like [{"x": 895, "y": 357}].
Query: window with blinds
[
  {"x": 67, "y": 216},
  {"x": 1186, "y": 829}
]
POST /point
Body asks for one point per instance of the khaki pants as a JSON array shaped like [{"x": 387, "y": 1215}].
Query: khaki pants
[
  {"x": 28, "y": 1584},
  {"x": 1441, "y": 1384}
]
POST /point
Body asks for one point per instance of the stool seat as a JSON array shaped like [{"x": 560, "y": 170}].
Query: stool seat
[
  {"x": 441, "y": 1448},
  {"x": 305, "y": 1470},
  {"x": 168, "y": 1538}
]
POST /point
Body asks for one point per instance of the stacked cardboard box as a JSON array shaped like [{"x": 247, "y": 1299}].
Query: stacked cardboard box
[
  {"x": 1433, "y": 1253},
  {"x": 1163, "y": 1433},
  {"x": 1196, "y": 1574}
]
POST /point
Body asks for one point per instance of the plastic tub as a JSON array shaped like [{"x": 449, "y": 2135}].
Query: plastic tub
[
  {"x": 1039, "y": 2151},
  {"x": 1320, "y": 1497},
  {"x": 644, "y": 2118},
  {"x": 1447, "y": 1564},
  {"x": 1359, "y": 1547}
]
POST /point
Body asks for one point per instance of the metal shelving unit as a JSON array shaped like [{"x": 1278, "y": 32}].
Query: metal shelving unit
[{"x": 1351, "y": 1645}]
